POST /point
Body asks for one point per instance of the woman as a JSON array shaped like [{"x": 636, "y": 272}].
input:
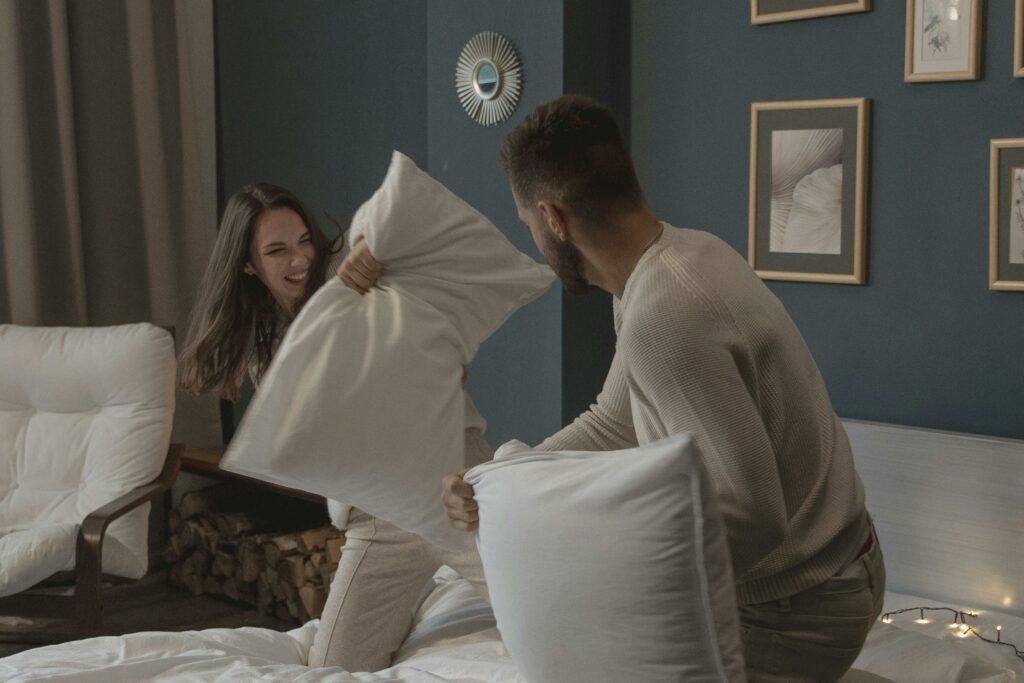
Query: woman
[{"x": 268, "y": 260}]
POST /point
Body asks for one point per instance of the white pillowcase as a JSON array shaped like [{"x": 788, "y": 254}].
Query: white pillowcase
[
  {"x": 363, "y": 401},
  {"x": 609, "y": 566},
  {"x": 439, "y": 249}
]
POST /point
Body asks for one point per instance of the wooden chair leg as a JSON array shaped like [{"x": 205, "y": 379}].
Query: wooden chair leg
[{"x": 88, "y": 586}]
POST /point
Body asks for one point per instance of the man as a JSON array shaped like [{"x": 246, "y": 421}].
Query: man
[{"x": 704, "y": 347}]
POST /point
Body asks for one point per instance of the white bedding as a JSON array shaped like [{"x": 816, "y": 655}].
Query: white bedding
[
  {"x": 454, "y": 640},
  {"x": 908, "y": 651}
]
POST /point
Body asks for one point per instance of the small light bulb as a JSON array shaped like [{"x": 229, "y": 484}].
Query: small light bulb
[
  {"x": 886, "y": 619},
  {"x": 999, "y": 634}
]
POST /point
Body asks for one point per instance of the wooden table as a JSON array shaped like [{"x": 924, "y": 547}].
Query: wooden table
[{"x": 205, "y": 461}]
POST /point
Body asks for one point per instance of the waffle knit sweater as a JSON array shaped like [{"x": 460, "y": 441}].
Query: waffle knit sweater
[{"x": 704, "y": 347}]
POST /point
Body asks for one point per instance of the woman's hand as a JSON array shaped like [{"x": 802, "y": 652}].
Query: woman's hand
[
  {"x": 457, "y": 498},
  {"x": 359, "y": 270}
]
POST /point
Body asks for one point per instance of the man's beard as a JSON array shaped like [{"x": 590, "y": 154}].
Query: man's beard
[{"x": 567, "y": 262}]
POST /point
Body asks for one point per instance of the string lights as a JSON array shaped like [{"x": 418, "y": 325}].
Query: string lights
[{"x": 963, "y": 629}]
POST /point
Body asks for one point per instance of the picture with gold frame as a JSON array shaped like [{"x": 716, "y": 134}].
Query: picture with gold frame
[
  {"x": 808, "y": 190},
  {"x": 1018, "y": 41},
  {"x": 771, "y": 11},
  {"x": 943, "y": 40},
  {"x": 1006, "y": 215}
]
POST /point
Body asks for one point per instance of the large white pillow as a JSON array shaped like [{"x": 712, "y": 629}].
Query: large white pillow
[
  {"x": 363, "y": 401},
  {"x": 609, "y": 566}
]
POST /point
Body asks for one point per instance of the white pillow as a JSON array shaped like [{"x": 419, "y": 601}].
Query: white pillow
[
  {"x": 440, "y": 249},
  {"x": 608, "y": 566},
  {"x": 363, "y": 401}
]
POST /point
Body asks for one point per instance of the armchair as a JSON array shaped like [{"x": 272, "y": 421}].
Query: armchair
[{"x": 85, "y": 422}]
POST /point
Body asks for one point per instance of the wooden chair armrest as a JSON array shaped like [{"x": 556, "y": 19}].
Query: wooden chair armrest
[
  {"x": 96, "y": 522},
  {"x": 89, "y": 550}
]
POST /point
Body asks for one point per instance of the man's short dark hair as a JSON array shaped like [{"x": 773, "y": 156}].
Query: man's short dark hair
[{"x": 570, "y": 150}]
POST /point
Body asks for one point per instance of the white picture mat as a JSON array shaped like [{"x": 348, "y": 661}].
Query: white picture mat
[
  {"x": 959, "y": 53},
  {"x": 807, "y": 191},
  {"x": 1016, "y": 254}
]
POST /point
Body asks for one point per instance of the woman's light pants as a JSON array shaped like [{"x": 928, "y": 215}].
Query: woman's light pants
[{"x": 380, "y": 578}]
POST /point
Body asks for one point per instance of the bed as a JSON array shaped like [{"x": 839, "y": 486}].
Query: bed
[
  {"x": 454, "y": 639},
  {"x": 947, "y": 508}
]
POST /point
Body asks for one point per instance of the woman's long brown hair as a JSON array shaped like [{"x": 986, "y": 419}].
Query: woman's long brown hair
[{"x": 236, "y": 318}]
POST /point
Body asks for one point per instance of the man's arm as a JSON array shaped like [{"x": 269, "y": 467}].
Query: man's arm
[
  {"x": 687, "y": 367},
  {"x": 606, "y": 426}
]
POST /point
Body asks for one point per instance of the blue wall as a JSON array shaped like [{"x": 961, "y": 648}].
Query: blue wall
[
  {"x": 924, "y": 343},
  {"x": 314, "y": 95},
  {"x": 516, "y": 378}
]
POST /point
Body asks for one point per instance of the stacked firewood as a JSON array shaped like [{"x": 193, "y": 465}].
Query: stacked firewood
[{"x": 237, "y": 555}]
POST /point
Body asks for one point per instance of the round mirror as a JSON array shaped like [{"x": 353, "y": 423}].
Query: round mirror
[{"x": 488, "y": 78}]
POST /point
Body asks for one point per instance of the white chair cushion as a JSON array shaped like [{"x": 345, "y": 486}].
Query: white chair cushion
[
  {"x": 27, "y": 557},
  {"x": 85, "y": 417},
  {"x": 608, "y": 566},
  {"x": 363, "y": 401}
]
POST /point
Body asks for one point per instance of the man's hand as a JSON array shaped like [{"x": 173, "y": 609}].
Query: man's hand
[
  {"x": 359, "y": 270},
  {"x": 457, "y": 498}
]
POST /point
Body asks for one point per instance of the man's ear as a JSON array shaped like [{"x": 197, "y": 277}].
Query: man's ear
[{"x": 554, "y": 216}]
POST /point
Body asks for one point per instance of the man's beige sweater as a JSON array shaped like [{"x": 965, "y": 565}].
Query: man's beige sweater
[{"x": 704, "y": 347}]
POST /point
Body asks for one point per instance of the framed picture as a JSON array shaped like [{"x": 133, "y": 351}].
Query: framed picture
[
  {"x": 1006, "y": 215},
  {"x": 770, "y": 11},
  {"x": 1018, "y": 41},
  {"x": 943, "y": 41},
  {"x": 808, "y": 190}
]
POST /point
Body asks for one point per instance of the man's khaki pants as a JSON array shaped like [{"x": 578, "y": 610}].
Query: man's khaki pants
[{"x": 814, "y": 636}]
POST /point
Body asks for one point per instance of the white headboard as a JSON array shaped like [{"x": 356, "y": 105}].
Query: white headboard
[{"x": 949, "y": 511}]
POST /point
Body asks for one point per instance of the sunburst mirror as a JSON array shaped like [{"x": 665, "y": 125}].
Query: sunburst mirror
[{"x": 488, "y": 78}]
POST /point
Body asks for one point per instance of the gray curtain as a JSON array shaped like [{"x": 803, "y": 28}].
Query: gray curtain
[{"x": 107, "y": 167}]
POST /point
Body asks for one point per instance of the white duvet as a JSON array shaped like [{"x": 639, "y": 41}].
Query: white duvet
[{"x": 454, "y": 640}]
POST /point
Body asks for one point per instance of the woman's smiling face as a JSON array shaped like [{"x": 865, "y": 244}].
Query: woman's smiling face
[{"x": 281, "y": 254}]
